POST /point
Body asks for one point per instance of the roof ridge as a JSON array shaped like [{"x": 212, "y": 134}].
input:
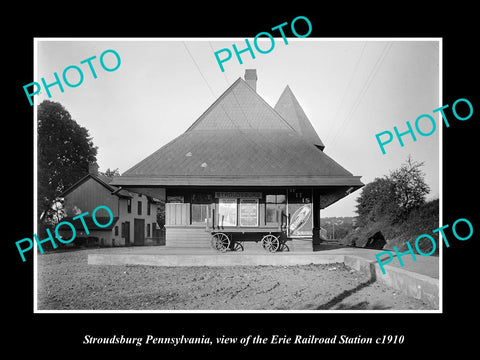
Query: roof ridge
[
  {"x": 230, "y": 90},
  {"x": 83, "y": 179},
  {"x": 298, "y": 109},
  {"x": 212, "y": 106},
  {"x": 270, "y": 107},
  {"x": 190, "y": 128},
  {"x": 305, "y": 126}
]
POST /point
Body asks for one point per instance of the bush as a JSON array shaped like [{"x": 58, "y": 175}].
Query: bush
[
  {"x": 421, "y": 220},
  {"x": 393, "y": 197},
  {"x": 375, "y": 202},
  {"x": 395, "y": 205}
]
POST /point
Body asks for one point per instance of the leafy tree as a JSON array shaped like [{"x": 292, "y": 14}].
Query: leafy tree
[
  {"x": 410, "y": 186},
  {"x": 110, "y": 173},
  {"x": 161, "y": 214},
  {"x": 376, "y": 201},
  {"x": 64, "y": 151},
  {"x": 393, "y": 197},
  {"x": 396, "y": 206}
]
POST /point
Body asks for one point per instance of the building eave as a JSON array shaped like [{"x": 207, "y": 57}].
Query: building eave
[{"x": 225, "y": 180}]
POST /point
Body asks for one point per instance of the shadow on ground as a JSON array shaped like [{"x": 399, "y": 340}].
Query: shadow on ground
[
  {"x": 339, "y": 298},
  {"x": 362, "y": 305},
  {"x": 336, "y": 302}
]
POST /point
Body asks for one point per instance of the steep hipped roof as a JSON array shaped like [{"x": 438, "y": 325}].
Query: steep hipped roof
[
  {"x": 239, "y": 140},
  {"x": 240, "y": 108},
  {"x": 289, "y": 108}
]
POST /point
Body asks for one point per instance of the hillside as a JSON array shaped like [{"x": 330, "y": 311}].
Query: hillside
[{"x": 421, "y": 220}]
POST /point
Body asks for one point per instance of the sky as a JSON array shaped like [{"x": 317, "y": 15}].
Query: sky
[{"x": 350, "y": 89}]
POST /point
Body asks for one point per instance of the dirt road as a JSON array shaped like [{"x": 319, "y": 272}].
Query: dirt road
[{"x": 66, "y": 282}]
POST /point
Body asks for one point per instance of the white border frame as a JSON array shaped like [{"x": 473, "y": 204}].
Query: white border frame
[{"x": 35, "y": 100}]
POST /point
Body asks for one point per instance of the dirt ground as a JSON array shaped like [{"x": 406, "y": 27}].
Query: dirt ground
[{"x": 67, "y": 282}]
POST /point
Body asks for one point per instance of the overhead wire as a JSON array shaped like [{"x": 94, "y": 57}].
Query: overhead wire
[
  {"x": 204, "y": 78},
  {"x": 213, "y": 93},
  {"x": 235, "y": 97},
  {"x": 347, "y": 89},
  {"x": 363, "y": 91},
  {"x": 241, "y": 131},
  {"x": 198, "y": 68},
  {"x": 275, "y": 144},
  {"x": 223, "y": 72}
]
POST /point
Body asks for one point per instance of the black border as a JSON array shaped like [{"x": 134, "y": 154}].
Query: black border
[{"x": 57, "y": 334}]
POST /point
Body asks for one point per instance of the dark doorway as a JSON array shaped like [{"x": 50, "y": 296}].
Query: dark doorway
[
  {"x": 139, "y": 231},
  {"x": 126, "y": 232}
]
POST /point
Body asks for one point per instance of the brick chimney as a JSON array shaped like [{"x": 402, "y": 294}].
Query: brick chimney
[
  {"x": 93, "y": 168},
  {"x": 251, "y": 78}
]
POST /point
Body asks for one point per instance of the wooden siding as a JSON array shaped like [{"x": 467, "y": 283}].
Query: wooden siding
[
  {"x": 89, "y": 196},
  {"x": 177, "y": 214},
  {"x": 181, "y": 233},
  {"x": 191, "y": 236}
]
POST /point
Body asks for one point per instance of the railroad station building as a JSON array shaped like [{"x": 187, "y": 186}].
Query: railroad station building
[{"x": 245, "y": 169}]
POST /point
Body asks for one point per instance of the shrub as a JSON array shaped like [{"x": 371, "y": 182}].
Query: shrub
[
  {"x": 421, "y": 220},
  {"x": 395, "y": 205}
]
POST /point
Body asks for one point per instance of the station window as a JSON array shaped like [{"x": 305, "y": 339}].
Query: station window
[
  {"x": 201, "y": 205},
  {"x": 129, "y": 206},
  {"x": 248, "y": 212},
  {"x": 227, "y": 212},
  {"x": 175, "y": 199},
  {"x": 275, "y": 204},
  {"x": 139, "y": 208}
]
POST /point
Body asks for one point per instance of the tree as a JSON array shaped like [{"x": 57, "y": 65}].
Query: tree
[
  {"x": 410, "y": 186},
  {"x": 110, "y": 173},
  {"x": 393, "y": 197},
  {"x": 64, "y": 151},
  {"x": 376, "y": 201}
]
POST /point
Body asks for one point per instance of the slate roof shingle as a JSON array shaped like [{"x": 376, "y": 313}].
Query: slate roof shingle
[
  {"x": 289, "y": 108},
  {"x": 240, "y": 140}
]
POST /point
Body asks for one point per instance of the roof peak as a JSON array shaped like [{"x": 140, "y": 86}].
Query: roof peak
[
  {"x": 240, "y": 108},
  {"x": 114, "y": 190},
  {"x": 290, "y": 109}
]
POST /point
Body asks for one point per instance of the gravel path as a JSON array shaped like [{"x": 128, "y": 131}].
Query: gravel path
[{"x": 66, "y": 282}]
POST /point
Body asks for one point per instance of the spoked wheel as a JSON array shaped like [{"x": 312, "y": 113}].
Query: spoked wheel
[
  {"x": 220, "y": 242},
  {"x": 270, "y": 243},
  {"x": 237, "y": 246}
]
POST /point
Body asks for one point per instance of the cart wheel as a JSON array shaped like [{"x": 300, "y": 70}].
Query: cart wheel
[
  {"x": 237, "y": 246},
  {"x": 220, "y": 242},
  {"x": 270, "y": 243}
]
